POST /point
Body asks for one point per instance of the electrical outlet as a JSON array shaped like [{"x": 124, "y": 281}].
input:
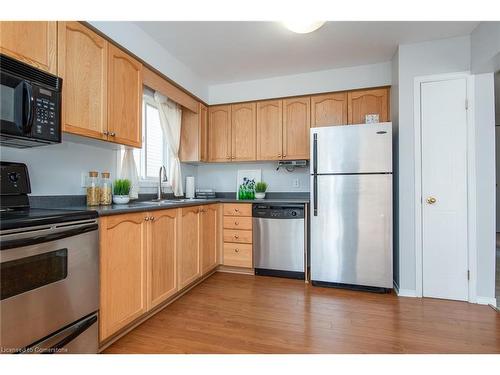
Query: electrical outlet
[{"x": 296, "y": 183}]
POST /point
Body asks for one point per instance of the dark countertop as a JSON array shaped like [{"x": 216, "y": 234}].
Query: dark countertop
[{"x": 143, "y": 205}]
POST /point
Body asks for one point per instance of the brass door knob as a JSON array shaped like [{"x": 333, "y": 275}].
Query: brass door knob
[{"x": 431, "y": 200}]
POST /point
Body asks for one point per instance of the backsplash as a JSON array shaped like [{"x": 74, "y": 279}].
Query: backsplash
[{"x": 222, "y": 176}]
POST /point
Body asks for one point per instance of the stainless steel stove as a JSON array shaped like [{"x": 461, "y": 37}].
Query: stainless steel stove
[{"x": 49, "y": 293}]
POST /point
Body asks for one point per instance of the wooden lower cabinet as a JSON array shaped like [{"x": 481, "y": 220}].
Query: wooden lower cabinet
[
  {"x": 238, "y": 248},
  {"x": 162, "y": 255},
  {"x": 147, "y": 258},
  {"x": 209, "y": 238},
  {"x": 189, "y": 247},
  {"x": 123, "y": 269}
]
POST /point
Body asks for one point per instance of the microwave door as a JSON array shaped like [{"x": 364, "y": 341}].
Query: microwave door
[{"x": 17, "y": 108}]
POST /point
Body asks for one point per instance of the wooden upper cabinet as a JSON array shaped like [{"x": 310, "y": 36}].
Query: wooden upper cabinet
[
  {"x": 82, "y": 63},
  {"x": 189, "y": 264},
  {"x": 162, "y": 256},
  {"x": 33, "y": 42},
  {"x": 194, "y": 135},
  {"x": 219, "y": 133},
  {"x": 365, "y": 102},
  {"x": 123, "y": 271},
  {"x": 209, "y": 237},
  {"x": 329, "y": 109},
  {"x": 203, "y": 113},
  {"x": 269, "y": 130},
  {"x": 243, "y": 132},
  {"x": 124, "y": 98},
  {"x": 296, "y": 127}
]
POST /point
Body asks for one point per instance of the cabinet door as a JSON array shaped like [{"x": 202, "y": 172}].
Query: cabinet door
[
  {"x": 189, "y": 148},
  {"x": 296, "y": 128},
  {"x": 203, "y": 115},
  {"x": 329, "y": 109},
  {"x": 33, "y": 42},
  {"x": 269, "y": 130},
  {"x": 82, "y": 64},
  {"x": 162, "y": 255},
  {"x": 123, "y": 264},
  {"x": 243, "y": 132},
  {"x": 124, "y": 98},
  {"x": 219, "y": 136},
  {"x": 365, "y": 102},
  {"x": 189, "y": 247},
  {"x": 209, "y": 237}
]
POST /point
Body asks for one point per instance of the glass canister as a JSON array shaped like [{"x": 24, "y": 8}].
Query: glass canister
[
  {"x": 93, "y": 191},
  {"x": 106, "y": 196}
]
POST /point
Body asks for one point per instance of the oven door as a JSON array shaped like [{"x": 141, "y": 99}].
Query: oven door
[
  {"x": 16, "y": 106},
  {"x": 49, "y": 280}
]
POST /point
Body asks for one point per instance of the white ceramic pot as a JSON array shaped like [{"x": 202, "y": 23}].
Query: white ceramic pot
[
  {"x": 121, "y": 199},
  {"x": 260, "y": 195}
]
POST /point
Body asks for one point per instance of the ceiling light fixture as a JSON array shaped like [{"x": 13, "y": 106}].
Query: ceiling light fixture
[{"x": 303, "y": 27}]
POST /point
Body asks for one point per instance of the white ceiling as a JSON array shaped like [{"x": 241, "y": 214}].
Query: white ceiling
[{"x": 222, "y": 52}]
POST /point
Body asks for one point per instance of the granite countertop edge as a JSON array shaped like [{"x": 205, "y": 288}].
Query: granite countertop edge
[{"x": 140, "y": 206}]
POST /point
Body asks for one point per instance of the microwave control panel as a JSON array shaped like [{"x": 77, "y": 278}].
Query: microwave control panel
[{"x": 46, "y": 124}]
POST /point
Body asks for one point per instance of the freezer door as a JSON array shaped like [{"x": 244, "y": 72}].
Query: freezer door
[
  {"x": 363, "y": 148},
  {"x": 351, "y": 234}
]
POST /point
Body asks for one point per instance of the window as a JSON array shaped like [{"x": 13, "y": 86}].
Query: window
[{"x": 154, "y": 152}]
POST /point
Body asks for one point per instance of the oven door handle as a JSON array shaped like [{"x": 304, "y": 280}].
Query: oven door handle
[
  {"x": 28, "y": 239},
  {"x": 55, "y": 343}
]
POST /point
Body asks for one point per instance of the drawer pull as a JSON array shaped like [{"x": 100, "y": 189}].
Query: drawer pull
[
  {"x": 236, "y": 250},
  {"x": 236, "y": 210},
  {"x": 236, "y": 236},
  {"x": 236, "y": 223}
]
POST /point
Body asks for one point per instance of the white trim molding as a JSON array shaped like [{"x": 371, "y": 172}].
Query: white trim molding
[
  {"x": 486, "y": 300},
  {"x": 471, "y": 181}
]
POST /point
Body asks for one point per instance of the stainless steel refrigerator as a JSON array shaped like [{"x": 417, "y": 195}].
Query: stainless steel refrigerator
[{"x": 351, "y": 199}]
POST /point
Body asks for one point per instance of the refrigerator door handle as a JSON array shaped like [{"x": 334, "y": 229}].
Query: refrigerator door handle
[
  {"x": 315, "y": 195},
  {"x": 315, "y": 153}
]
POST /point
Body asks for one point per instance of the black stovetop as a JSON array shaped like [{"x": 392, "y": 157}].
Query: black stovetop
[{"x": 30, "y": 217}]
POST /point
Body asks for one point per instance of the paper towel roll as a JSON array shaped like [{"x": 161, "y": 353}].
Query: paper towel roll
[{"x": 189, "y": 187}]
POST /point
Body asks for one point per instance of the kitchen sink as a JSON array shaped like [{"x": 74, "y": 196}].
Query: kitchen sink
[{"x": 162, "y": 202}]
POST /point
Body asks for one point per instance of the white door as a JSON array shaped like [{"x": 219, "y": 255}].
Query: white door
[{"x": 444, "y": 189}]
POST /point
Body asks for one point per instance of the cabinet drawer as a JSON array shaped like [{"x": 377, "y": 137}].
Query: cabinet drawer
[
  {"x": 237, "y": 255},
  {"x": 238, "y": 209},
  {"x": 231, "y": 222},
  {"x": 235, "y": 235}
]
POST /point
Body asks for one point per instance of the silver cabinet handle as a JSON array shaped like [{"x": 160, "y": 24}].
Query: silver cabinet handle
[
  {"x": 146, "y": 218},
  {"x": 105, "y": 132}
]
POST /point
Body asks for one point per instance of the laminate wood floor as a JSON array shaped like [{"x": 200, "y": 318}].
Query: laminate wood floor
[{"x": 230, "y": 313}]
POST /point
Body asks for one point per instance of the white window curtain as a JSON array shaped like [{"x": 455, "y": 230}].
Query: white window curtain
[
  {"x": 170, "y": 119},
  {"x": 129, "y": 171}
]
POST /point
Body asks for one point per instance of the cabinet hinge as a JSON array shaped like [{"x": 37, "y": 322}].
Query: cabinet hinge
[{"x": 468, "y": 275}]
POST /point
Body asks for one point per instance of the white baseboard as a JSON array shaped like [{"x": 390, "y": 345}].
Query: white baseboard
[
  {"x": 407, "y": 293},
  {"x": 486, "y": 300}
]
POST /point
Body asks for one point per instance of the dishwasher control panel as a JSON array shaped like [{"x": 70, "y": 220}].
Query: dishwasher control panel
[{"x": 281, "y": 211}]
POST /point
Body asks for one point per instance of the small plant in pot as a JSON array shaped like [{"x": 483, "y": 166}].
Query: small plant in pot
[
  {"x": 121, "y": 189},
  {"x": 260, "y": 190}
]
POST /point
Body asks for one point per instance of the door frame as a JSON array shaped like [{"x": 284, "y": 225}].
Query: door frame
[{"x": 471, "y": 180}]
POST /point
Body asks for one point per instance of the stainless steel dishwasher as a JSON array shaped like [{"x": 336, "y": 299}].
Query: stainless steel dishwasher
[{"x": 279, "y": 240}]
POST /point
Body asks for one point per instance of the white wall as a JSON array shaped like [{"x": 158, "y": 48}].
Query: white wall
[
  {"x": 56, "y": 169},
  {"x": 133, "y": 38},
  {"x": 484, "y": 122},
  {"x": 222, "y": 177},
  {"x": 485, "y": 47},
  {"x": 302, "y": 84},
  {"x": 435, "y": 57},
  {"x": 497, "y": 151}
]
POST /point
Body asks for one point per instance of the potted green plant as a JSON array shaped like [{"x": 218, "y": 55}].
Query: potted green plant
[
  {"x": 260, "y": 190},
  {"x": 121, "y": 189}
]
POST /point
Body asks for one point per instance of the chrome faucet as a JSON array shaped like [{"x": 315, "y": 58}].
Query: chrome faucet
[{"x": 162, "y": 177}]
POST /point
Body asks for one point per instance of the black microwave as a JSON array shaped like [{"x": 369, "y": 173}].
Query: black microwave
[{"x": 30, "y": 105}]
